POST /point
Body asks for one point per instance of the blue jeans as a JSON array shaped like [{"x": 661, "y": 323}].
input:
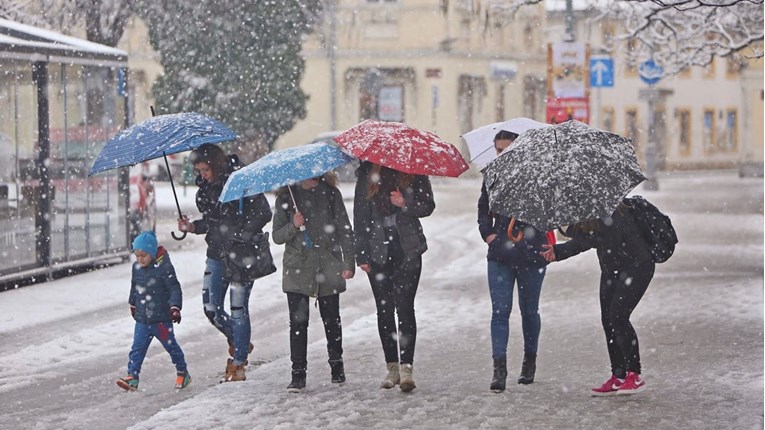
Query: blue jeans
[
  {"x": 502, "y": 277},
  {"x": 142, "y": 337},
  {"x": 236, "y": 327}
]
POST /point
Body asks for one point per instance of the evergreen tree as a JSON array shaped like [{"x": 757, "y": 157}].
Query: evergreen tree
[{"x": 237, "y": 61}]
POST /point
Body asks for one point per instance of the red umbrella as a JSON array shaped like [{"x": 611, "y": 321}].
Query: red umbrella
[{"x": 403, "y": 148}]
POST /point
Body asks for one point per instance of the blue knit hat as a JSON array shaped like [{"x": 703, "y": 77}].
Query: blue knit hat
[{"x": 146, "y": 242}]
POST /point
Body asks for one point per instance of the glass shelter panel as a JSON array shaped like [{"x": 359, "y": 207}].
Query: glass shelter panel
[
  {"x": 88, "y": 212},
  {"x": 18, "y": 175}
]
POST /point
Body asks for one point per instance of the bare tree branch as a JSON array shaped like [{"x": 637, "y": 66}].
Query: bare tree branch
[{"x": 675, "y": 33}]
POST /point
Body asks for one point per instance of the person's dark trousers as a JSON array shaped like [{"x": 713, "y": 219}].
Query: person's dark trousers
[
  {"x": 620, "y": 292},
  {"x": 394, "y": 286},
  {"x": 329, "y": 308}
]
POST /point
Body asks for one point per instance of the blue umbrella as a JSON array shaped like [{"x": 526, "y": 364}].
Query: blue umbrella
[
  {"x": 157, "y": 137},
  {"x": 283, "y": 167}
]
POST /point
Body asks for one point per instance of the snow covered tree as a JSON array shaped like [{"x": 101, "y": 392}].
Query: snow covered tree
[
  {"x": 683, "y": 33},
  {"x": 104, "y": 20},
  {"x": 676, "y": 33},
  {"x": 234, "y": 60}
]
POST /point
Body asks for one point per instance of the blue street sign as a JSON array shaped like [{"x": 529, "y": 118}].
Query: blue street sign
[
  {"x": 650, "y": 72},
  {"x": 601, "y": 71}
]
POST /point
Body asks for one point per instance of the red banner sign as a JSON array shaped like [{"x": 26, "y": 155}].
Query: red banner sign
[{"x": 564, "y": 109}]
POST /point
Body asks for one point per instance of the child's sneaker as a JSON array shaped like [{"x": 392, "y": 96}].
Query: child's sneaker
[
  {"x": 182, "y": 380},
  {"x": 609, "y": 388},
  {"x": 633, "y": 383},
  {"x": 128, "y": 383}
]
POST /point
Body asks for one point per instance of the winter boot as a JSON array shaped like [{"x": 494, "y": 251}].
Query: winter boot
[
  {"x": 528, "y": 368},
  {"x": 499, "y": 379},
  {"x": 231, "y": 349},
  {"x": 393, "y": 378},
  {"x": 298, "y": 381},
  {"x": 234, "y": 372},
  {"x": 338, "y": 371},
  {"x": 182, "y": 379},
  {"x": 407, "y": 380},
  {"x": 128, "y": 383}
]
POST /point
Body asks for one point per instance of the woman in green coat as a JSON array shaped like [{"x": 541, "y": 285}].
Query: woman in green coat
[{"x": 318, "y": 259}]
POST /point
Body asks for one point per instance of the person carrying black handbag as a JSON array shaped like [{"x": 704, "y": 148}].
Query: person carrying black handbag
[{"x": 223, "y": 224}]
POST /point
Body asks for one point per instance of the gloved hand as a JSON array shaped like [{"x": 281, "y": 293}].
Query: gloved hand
[
  {"x": 132, "y": 311},
  {"x": 175, "y": 315}
]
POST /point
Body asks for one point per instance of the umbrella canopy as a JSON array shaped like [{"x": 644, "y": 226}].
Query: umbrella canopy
[
  {"x": 481, "y": 140},
  {"x": 562, "y": 174},
  {"x": 158, "y": 136},
  {"x": 403, "y": 148},
  {"x": 283, "y": 167}
]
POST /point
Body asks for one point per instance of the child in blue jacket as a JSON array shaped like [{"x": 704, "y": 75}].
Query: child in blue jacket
[{"x": 155, "y": 302}]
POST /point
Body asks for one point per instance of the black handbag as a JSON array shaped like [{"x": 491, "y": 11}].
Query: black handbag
[{"x": 246, "y": 261}]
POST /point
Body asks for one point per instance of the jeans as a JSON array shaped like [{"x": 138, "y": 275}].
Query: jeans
[
  {"x": 142, "y": 337},
  {"x": 329, "y": 307},
  {"x": 502, "y": 277},
  {"x": 620, "y": 292},
  {"x": 394, "y": 286},
  {"x": 236, "y": 327}
]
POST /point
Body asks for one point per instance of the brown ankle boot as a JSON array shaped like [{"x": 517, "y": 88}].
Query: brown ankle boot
[{"x": 234, "y": 372}]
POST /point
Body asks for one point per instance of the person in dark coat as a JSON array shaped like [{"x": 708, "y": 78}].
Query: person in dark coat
[
  {"x": 388, "y": 205},
  {"x": 510, "y": 261},
  {"x": 220, "y": 223},
  {"x": 626, "y": 270},
  {"x": 318, "y": 259},
  {"x": 155, "y": 302}
]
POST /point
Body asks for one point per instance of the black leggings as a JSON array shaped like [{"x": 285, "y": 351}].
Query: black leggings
[
  {"x": 329, "y": 308},
  {"x": 620, "y": 293},
  {"x": 394, "y": 286}
]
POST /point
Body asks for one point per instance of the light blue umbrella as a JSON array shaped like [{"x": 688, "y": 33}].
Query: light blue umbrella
[{"x": 283, "y": 167}]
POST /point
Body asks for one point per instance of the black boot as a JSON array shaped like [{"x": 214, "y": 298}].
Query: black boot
[
  {"x": 338, "y": 371},
  {"x": 528, "y": 369},
  {"x": 500, "y": 375},
  {"x": 298, "y": 381}
]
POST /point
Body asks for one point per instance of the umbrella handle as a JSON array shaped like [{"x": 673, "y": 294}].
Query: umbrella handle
[
  {"x": 181, "y": 237},
  {"x": 510, "y": 236}
]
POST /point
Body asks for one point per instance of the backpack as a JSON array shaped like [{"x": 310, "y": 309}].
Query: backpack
[{"x": 655, "y": 228}]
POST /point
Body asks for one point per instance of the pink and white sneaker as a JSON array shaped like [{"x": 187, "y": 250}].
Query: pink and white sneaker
[
  {"x": 609, "y": 388},
  {"x": 633, "y": 383}
]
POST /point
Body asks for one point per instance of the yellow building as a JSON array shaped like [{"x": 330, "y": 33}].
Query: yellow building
[
  {"x": 712, "y": 117},
  {"x": 435, "y": 65}
]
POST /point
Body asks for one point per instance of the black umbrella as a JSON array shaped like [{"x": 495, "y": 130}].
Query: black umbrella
[{"x": 561, "y": 175}]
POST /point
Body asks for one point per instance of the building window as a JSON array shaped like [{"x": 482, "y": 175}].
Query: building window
[
  {"x": 708, "y": 133},
  {"x": 608, "y": 29},
  {"x": 684, "y": 125},
  {"x": 500, "y": 106},
  {"x": 709, "y": 69},
  {"x": 631, "y": 127},
  {"x": 631, "y": 69},
  {"x": 608, "y": 119},
  {"x": 731, "y": 130},
  {"x": 732, "y": 66}
]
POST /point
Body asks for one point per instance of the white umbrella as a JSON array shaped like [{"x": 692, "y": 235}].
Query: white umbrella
[{"x": 481, "y": 140}]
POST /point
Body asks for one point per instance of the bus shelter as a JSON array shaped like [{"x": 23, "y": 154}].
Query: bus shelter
[{"x": 61, "y": 99}]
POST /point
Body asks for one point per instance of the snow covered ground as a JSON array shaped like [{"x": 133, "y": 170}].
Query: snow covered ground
[{"x": 700, "y": 325}]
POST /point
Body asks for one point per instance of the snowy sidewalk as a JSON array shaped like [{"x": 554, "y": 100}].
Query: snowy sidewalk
[{"x": 700, "y": 327}]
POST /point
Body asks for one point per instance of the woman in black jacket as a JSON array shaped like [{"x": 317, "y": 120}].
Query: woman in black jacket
[
  {"x": 510, "y": 262},
  {"x": 220, "y": 223},
  {"x": 387, "y": 208},
  {"x": 626, "y": 270}
]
